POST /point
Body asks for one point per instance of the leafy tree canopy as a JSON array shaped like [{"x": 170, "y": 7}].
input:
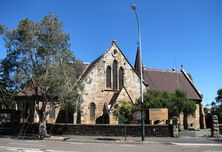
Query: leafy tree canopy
[
  {"x": 216, "y": 108},
  {"x": 6, "y": 95},
  {"x": 125, "y": 109},
  {"x": 219, "y": 96},
  {"x": 38, "y": 53},
  {"x": 190, "y": 76},
  {"x": 176, "y": 102}
]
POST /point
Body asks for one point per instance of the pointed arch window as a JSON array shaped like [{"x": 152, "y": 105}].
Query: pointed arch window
[
  {"x": 108, "y": 77},
  {"x": 114, "y": 74},
  {"x": 121, "y": 77},
  {"x": 92, "y": 110}
]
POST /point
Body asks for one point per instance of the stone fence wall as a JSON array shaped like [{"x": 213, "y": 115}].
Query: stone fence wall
[
  {"x": 110, "y": 130},
  {"x": 93, "y": 130},
  {"x": 220, "y": 129}
]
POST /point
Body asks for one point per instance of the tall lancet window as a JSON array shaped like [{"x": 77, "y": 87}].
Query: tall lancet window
[
  {"x": 114, "y": 74},
  {"x": 92, "y": 110},
  {"x": 121, "y": 77},
  {"x": 108, "y": 77}
]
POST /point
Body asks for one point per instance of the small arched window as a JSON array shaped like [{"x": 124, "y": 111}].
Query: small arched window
[
  {"x": 121, "y": 77},
  {"x": 108, "y": 77},
  {"x": 92, "y": 110},
  {"x": 114, "y": 74}
]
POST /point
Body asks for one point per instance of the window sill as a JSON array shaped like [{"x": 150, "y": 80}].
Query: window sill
[{"x": 110, "y": 89}]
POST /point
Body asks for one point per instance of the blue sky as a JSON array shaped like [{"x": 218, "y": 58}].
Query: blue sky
[{"x": 174, "y": 32}]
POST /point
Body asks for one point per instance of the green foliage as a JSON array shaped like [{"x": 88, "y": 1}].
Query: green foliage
[
  {"x": 189, "y": 108},
  {"x": 38, "y": 53},
  {"x": 176, "y": 102},
  {"x": 2, "y": 29},
  {"x": 123, "y": 108},
  {"x": 219, "y": 96},
  {"x": 190, "y": 76},
  {"x": 216, "y": 108},
  {"x": 62, "y": 80},
  {"x": 6, "y": 97}
]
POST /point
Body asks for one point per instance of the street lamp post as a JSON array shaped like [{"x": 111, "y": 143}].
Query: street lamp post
[{"x": 133, "y": 6}]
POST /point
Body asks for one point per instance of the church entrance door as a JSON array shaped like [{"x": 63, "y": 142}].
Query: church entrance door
[{"x": 104, "y": 119}]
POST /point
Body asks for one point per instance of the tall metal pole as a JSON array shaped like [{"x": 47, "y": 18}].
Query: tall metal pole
[{"x": 133, "y": 6}]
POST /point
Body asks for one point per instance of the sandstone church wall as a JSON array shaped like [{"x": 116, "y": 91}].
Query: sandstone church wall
[{"x": 95, "y": 89}]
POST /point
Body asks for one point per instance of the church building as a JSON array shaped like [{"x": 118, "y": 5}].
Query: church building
[{"x": 111, "y": 78}]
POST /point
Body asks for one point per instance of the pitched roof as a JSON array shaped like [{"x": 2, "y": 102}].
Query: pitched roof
[
  {"x": 91, "y": 65},
  {"x": 117, "y": 94},
  {"x": 164, "y": 80},
  {"x": 28, "y": 91},
  {"x": 113, "y": 99}
]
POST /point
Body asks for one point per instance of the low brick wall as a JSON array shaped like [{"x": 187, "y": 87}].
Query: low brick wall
[
  {"x": 92, "y": 130},
  {"x": 9, "y": 128},
  {"x": 110, "y": 130}
]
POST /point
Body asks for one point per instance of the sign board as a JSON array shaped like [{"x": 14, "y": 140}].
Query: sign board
[
  {"x": 137, "y": 115},
  {"x": 158, "y": 114}
]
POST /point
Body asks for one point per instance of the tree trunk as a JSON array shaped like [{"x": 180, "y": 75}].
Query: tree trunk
[
  {"x": 66, "y": 116},
  {"x": 185, "y": 121},
  {"x": 42, "y": 129},
  {"x": 42, "y": 121}
]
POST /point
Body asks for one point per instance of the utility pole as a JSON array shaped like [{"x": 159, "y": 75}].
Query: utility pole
[{"x": 133, "y": 6}]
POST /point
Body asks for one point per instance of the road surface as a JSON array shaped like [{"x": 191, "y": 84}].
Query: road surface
[{"x": 16, "y": 145}]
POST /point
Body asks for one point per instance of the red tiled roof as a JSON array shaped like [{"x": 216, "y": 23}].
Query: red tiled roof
[
  {"x": 164, "y": 80},
  {"x": 28, "y": 91},
  {"x": 90, "y": 66}
]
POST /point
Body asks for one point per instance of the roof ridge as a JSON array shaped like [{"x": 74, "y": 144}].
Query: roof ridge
[{"x": 161, "y": 70}]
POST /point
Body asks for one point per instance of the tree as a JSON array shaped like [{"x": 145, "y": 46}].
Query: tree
[
  {"x": 38, "y": 54},
  {"x": 123, "y": 110},
  {"x": 216, "y": 107},
  {"x": 6, "y": 95},
  {"x": 176, "y": 102},
  {"x": 64, "y": 86},
  {"x": 190, "y": 76},
  {"x": 182, "y": 104},
  {"x": 219, "y": 96},
  {"x": 2, "y": 29}
]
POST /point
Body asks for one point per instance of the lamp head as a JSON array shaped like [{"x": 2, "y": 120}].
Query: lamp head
[{"x": 133, "y": 6}]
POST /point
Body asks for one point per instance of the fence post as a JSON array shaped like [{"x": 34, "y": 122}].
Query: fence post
[
  {"x": 215, "y": 126},
  {"x": 175, "y": 127}
]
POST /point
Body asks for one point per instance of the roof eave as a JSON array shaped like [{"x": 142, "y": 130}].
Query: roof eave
[{"x": 192, "y": 84}]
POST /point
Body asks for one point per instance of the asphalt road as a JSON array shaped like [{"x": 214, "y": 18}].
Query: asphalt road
[{"x": 12, "y": 145}]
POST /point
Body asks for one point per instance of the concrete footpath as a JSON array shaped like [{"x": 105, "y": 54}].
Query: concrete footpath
[
  {"x": 162, "y": 140},
  {"x": 186, "y": 137}
]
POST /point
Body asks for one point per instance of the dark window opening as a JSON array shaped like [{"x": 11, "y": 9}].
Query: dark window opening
[
  {"x": 52, "y": 113},
  {"x": 121, "y": 78},
  {"x": 114, "y": 74},
  {"x": 108, "y": 77},
  {"x": 92, "y": 108}
]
